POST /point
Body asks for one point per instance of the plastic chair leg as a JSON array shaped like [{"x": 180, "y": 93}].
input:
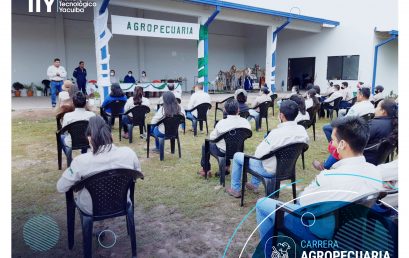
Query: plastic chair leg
[
  {"x": 179, "y": 150},
  {"x": 267, "y": 123},
  {"x": 70, "y": 219},
  {"x": 87, "y": 224},
  {"x": 130, "y": 133},
  {"x": 201, "y": 125},
  {"x": 69, "y": 157},
  {"x": 172, "y": 146},
  {"x": 313, "y": 130},
  {"x": 222, "y": 170},
  {"x": 294, "y": 190},
  {"x": 302, "y": 158},
  {"x": 194, "y": 124},
  {"x": 207, "y": 129},
  {"x": 161, "y": 148},
  {"x": 59, "y": 153},
  {"x": 131, "y": 227}
]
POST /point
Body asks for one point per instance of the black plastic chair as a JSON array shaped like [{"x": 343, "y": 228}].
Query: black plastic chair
[
  {"x": 109, "y": 194},
  {"x": 79, "y": 140},
  {"x": 335, "y": 106},
  {"x": 383, "y": 151},
  {"x": 306, "y": 124},
  {"x": 234, "y": 140},
  {"x": 218, "y": 104},
  {"x": 263, "y": 111},
  {"x": 116, "y": 107},
  {"x": 368, "y": 116},
  {"x": 46, "y": 84},
  {"x": 244, "y": 114},
  {"x": 286, "y": 159},
  {"x": 138, "y": 119},
  {"x": 201, "y": 116},
  {"x": 355, "y": 216},
  {"x": 171, "y": 125},
  {"x": 273, "y": 98},
  {"x": 375, "y": 103},
  {"x": 313, "y": 112}
]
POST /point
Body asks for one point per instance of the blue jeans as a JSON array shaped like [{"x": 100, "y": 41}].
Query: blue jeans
[
  {"x": 254, "y": 164},
  {"x": 331, "y": 160},
  {"x": 256, "y": 115},
  {"x": 327, "y": 128},
  {"x": 157, "y": 134},
  {"x": 55, "y": 88},
  {"x": 192, "y": 118}
]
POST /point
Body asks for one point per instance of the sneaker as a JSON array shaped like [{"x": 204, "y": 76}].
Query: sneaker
[
  {"x": 252, "y": 187},
  {"x": 318, "y": 165},
  {"x": 53, "y": 105},
  {"x": 143, "y": 136},
  {"x": 125, "y": 135},
  {"x": 202, "y": 173},
  {"x": 234, "y": 193}
]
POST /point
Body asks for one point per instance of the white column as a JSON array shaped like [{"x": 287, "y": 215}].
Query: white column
[
  {"x": 141, "y": 50},
  {"x": 269, "y": 53}
]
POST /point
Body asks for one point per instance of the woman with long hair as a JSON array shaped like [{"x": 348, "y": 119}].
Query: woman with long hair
[
  {"x": 312, "y": 100},
  {"x": 116, "y": 94},
  {"x": 104, "y": 155},
  {"x": 137, "y": 100},
  {"x": 302, "y": 113},
  {"x": 169, "y": 108}
]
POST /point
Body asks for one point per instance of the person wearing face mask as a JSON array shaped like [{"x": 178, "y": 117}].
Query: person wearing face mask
[
  {"x": 129, "y": 78},
  {"x": 345, "y": 182},
  {"x": 287, "y": 132},
  {"x": 104, "y": 155},
  {"x": 112, "y": 77},
  {"x": 144, "y": 78},
  {"x": 378, "y": 94}
]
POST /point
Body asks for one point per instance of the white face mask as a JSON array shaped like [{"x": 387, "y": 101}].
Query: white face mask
[
  {"x": 112, "y": 74},
  {"x": 129, "y": 74}
]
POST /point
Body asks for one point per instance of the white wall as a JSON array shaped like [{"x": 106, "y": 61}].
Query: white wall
[{"x": 387, "y": 72}]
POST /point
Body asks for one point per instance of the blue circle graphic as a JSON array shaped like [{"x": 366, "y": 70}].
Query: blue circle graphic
[{"x": 41, "y": 233}]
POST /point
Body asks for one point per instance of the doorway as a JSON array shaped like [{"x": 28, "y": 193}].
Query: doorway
[{"x": 301, "y": 71}]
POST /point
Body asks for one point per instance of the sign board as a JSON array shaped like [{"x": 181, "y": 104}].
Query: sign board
[{"x": 154, "y": 28}]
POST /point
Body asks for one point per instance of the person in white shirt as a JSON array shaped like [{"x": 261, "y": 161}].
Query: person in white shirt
[
  {"x": 197, "y": 98},
  {"x": 302, "y": 112},
  {"x": 104, "y": 156},
  {"x": 233, "y": 121},
  {"x": 325, "y": 105},
  {"x": 351, "y": 178},
  {"x": 65, "y": 93},
  {"x": 56, "y": 74},
  {"x": 169, "y": 108},
  {"x": 137, "y": 100},
  {"x": 362, "y": 106},
  {"x": 144, "y": 78},
  {"x": 171, "y": 88},
  {"x": 287, "y": 132},
  {"x": 112, "y": 77},
  {"x": 312, "y": 99},
  {"x": 263, "y": 97},
  {"x": 80, "y": 113}
]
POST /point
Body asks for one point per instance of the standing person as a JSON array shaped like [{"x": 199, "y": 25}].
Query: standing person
[
  {"x": 129, "y": 78},
  {"x": 56, "y": 73},
  {"x": 112, "y": 77},
  {"x": 80, "y": 74}
]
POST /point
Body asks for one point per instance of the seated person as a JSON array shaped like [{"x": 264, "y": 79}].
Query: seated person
[
  {"x": 287, "y": 132},
  {"x": 112, "y": 77},
  {"x": 232, "y": 121},
  {"x": 312, "y": 99},
  {"x": 317, "y": 90},
  {"x": 326, "y": 104},
  {"x": 379, "y": 94},
  {"x": 171, "y": 88},
  {"x": 346, "y": 96},
  {"x": 169, "y": 108},
  {"x": 197, "y": 98},
  {"x": 294, "y": 91},
  {"x": 116, "y": 94},
  {"x": 80, "y": 113},
  {"x": 241, "y": 96},
  {"x": 129, "y": 78},
  {"x": 264, "y": 96},
  {"x": 137, "y": 100},
  {"x": 105, "y": 155},
  {"x": 383, "y": 126},
  {"x": 144, "y": 78},
  {"x": 389, "y": 172},
  {"x": 302, "y": 113},
  {"x": 64, "y": 104},
  {"x": 362, "y": 107},
  {"x": 349, "y": 136}
]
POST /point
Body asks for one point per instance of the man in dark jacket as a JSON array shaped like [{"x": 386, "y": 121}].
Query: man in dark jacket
[{"x": 80, "y": 74}]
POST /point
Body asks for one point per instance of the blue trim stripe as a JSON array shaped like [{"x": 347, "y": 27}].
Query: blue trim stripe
[
  {"x": 102, "y": 35},
  {"x": 105, "y": 75},
  {"x": 104, "y": 66},
  {"x": 104, "y": 6},
  {"x": 104, "y": 52},
  {"x": 253, "y": 9}
]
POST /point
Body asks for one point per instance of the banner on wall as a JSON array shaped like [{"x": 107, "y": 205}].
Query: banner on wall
[{"x": 154, "y": 28}]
